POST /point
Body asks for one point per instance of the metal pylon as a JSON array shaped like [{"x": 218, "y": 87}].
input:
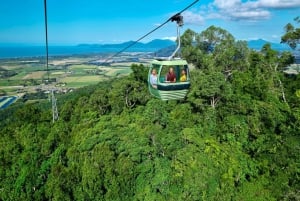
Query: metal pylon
[{"x": 54, "y": 107}]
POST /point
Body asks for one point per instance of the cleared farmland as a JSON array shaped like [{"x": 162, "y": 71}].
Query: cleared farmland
[{"x": 63, "y": 72}]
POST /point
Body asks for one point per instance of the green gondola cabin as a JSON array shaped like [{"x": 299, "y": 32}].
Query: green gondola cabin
[
  {"x": 168, "y": 78},
  {"x": 165, "y": 89}
]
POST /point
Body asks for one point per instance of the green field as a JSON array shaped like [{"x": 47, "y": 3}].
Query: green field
[
  {"x": 80, "y": 81},
  {"x": 72, "y": 72},
  {"x": 118, "y": 71}
]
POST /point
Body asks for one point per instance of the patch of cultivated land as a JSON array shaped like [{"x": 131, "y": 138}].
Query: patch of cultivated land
[
  {"x": 11, "y": 87},
  {"x": 34, "y": 75},
  {"x": 80, "y": 81},
  {"x": 82, "y": 66},
  {"x": 86, "y": 79},
  {"x": 74, "y": 71},
  {"x": 64, "y": 61},
  {"x": 117, "y": 71},
  {"x": 58, "y": 73}
]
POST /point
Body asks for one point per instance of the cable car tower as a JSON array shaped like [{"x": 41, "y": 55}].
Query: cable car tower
[
  {"x": 52, "y": 99},
  {"x": 54, "y": 107}
]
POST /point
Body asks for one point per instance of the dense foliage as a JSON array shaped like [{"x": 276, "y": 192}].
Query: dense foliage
[
  {"x": 235, "y": 136},
  {"x": 292, "y": 34}
]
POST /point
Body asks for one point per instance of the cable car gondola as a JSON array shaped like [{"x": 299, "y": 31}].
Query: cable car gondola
[
  {"x": 163, "y": 85},
  {"x": 163, "y": 88}
]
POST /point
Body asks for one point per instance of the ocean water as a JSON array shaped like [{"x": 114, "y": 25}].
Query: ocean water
[{"x": 38, "y": 51}]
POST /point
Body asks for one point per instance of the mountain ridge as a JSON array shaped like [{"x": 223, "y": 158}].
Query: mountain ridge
[
  {"x": 258, "y": 44},
  {"x": 166, "y": 43},
  {"x": 156, "y": 43}
]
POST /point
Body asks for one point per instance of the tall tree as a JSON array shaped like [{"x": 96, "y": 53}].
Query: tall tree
[{"x": 292, "y": 34}]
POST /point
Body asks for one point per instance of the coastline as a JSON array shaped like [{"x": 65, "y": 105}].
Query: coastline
[{"x": 15, "y": 52}]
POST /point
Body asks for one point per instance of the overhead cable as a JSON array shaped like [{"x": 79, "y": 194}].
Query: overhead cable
[{"x": 173, "y": 18}]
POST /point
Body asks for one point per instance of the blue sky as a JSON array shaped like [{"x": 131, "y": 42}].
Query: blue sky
[{"x": 94, "y": 21}]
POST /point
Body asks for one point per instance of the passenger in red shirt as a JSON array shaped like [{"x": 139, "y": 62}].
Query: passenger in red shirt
[{"x": 171, "y": 77}]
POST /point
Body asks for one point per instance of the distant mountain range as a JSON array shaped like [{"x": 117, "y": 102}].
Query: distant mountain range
[
  {"x": 157, "y": 47},
  {"x": 160, "y": 44},
  {"x": 154, "y": 44},
  {"x": 258, "y": 44}
]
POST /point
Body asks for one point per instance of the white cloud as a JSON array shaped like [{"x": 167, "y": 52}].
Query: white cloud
[
  {"x": 278, "y": 3},
  {"x": 247, "y": 14},
  {"x": 236, "y": 10},
  {"x": 192, "y": 18},
  {"x": 249, "y": 10},
  {"x": 226, "y": 4},
  {"x": 275, "y": 37},
  {"x": 173, "y": 38}
]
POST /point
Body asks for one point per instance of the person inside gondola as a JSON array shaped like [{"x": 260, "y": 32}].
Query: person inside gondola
[
  {"x": 153, "y": 78},
  {"x": 171, "y": 77},
  {"x": 183, "y": 76}
]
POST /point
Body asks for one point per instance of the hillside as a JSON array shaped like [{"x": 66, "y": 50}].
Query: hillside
[
  {"x": 113, "y": 144},
  {"x": 234, "y": 137}
]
